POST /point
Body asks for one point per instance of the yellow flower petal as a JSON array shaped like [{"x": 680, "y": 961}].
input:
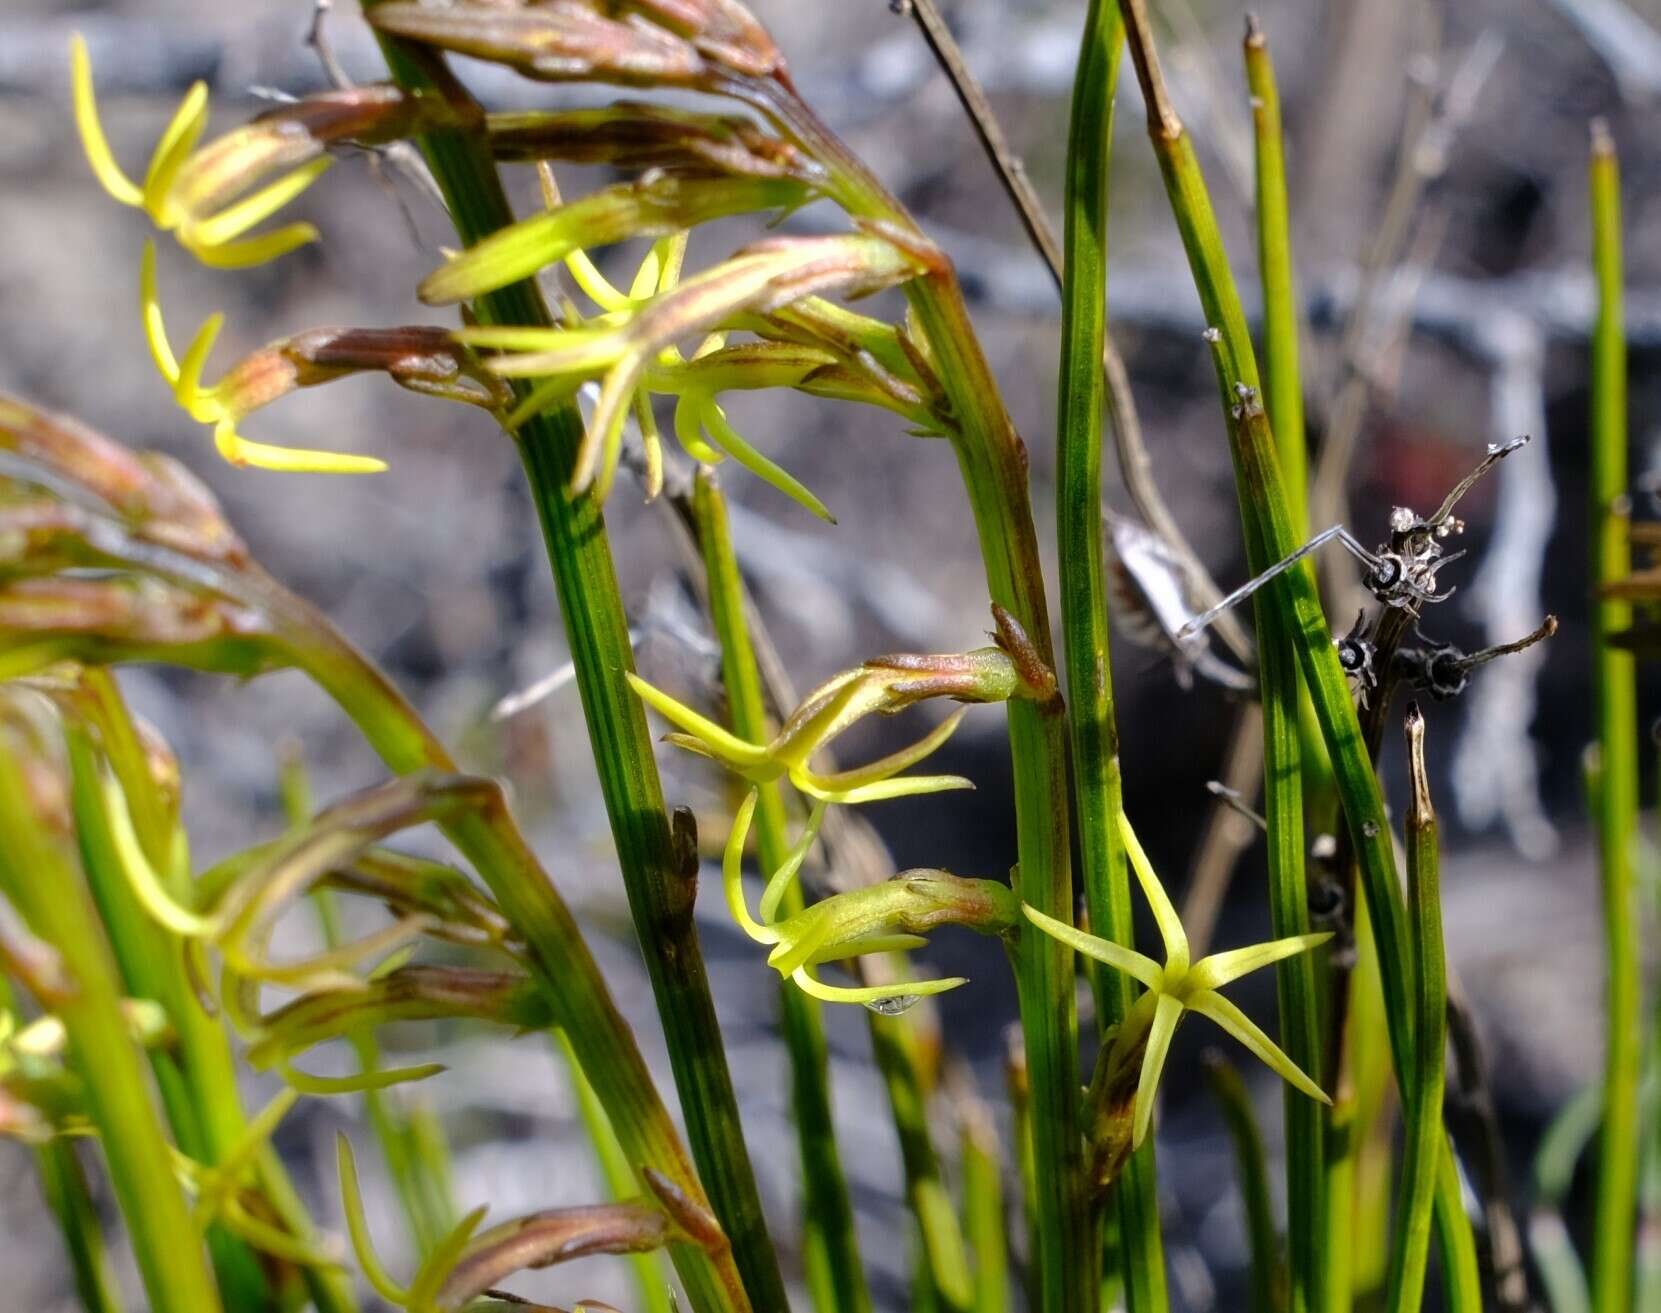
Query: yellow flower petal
[
  {"x": 180, "y": 138},
  {"x": 96, "y": 145},
  {"x": 238, "y": 450}
]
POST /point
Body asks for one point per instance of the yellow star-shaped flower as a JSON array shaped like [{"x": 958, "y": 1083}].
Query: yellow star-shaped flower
[{"x": 1177, "y": 987}]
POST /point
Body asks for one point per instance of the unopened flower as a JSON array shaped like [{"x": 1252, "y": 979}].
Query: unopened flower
[
  {"x": 694, "y": 44},
  {"x": 1137, "y": 1054},
  {"x": 879, "y": 918},
  {"x": 214, "y": 236},
  {"x": 464, "y": 1265}
]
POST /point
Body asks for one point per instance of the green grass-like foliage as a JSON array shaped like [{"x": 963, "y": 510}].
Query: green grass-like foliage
[{"x": 140, "y": 994}]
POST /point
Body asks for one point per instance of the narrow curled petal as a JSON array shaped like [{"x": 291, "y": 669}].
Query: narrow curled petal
[
  {"x": 885, "y": 767},
  {"x": 236, "y": 219},
  {"x": 1220, "y": 968},
  {"x": 732, "y": 874},
  {"x": 357, "y": 1226},
  {"x": 97, "y": 146},
  {"x": 1237, "y": 1023},
  {"x": 869, "y": 994},
  {"x": 721, "y": 744},
  {"x": 779, "y": 883},
  {"x": 843, "y": 949},
  {"x": 183, "y": 131},
  {"x": 142, "y": 879},
  {"x": 905, "y": 786},
  {"x": 721, "y": 432},
  {"x": 155, "y": 329},
  {"x": 654, "y": 206},
  {"x": 250, "y": 251},
  {"x": 241, "y": 451},
  {"x": 446, "y": 1254},
  {"x": 1164, "y": 914},
  {"x": 1167, "y": 1013},
  {"x": 306, "y": 1083},
  {"x": 1106, "y": 951}
]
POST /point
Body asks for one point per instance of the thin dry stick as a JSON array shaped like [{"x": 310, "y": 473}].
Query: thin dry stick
[
  {"x": 1011, "y": 172},
  {"x": 1135, "y": 465},
  {"x": 1426, "y": 147}
]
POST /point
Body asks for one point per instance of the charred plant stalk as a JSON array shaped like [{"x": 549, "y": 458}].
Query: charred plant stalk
[
  {"x": 1290, "y": 605},
  {"x": 1617, "y": 812},
  {"x": 1085, "y": 631},
  {"x": 1422, "y": 1096},
  {"x": 659, "y": 885},
  {"x": 828, "y": 1212}
]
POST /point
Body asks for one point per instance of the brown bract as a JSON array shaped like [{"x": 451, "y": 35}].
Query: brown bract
[{"x": 685, "y": 43}]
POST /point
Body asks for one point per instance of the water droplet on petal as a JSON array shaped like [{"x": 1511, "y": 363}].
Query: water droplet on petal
[{"x": 894, "y": 1005}]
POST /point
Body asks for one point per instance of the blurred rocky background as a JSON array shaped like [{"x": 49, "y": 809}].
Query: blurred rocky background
[{"x": 1437, "y": 155}]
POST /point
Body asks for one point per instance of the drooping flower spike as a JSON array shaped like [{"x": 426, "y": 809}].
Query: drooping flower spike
[
  {"x": 422, "y": 359},
  {"x": 880, "y": 918},
  {"x": 214, "y": 238},
  {"x": 1177, "y": 987}
]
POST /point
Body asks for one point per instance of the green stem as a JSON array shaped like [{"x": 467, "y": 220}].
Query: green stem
[
  {"x": 63, "y": 1183},
  {"x": 1549, "y": 1242},
  {"x": 1617, "y": 819},
  {"x": 1422, "y": 1096},
  {"x": 983, "y": 1211},
  {"x": 659, "y": 885},
  {"x": 650, "y": 1274},
  {"x": 42, "y": 883},
  {"x": 1267, "y": 1275},
  {"x": 1085, "y": 632},
  {"x": 993, "y": 462},
  {"x": 1282, "y": 378},
  {"x": 1461, "y": 1269},
  {"x": 829, "y": 1214},
  {"x": 1291, "y": 603},
  {"x": 197, "y": 1077},
  {"x": 943, "y": 1267}
]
